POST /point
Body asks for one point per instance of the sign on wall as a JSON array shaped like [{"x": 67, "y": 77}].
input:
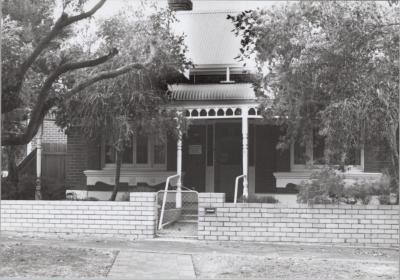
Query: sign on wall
[{"x": 195, "y": 150}]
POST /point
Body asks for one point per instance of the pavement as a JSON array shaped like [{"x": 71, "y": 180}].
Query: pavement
[
  {"x": 131, "y": 264},
  {"x": 186, "y": 259}
]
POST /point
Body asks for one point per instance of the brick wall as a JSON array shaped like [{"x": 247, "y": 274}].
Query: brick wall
[
  {"x": 51, "y": 133},
  {"x": 81, "y": 155},
  {"x": 375, "y": 225},
  {"x": 134, "y": 219}
]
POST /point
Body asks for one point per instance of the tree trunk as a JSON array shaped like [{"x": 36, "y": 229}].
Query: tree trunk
[
  {"x": 118, "y": 162},
  {"x": 12, "y": 169},
  {"x": 394, "y": 169}
]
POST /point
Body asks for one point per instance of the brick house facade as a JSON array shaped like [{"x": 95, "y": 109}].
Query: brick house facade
[{"x": 226, "y": 137}]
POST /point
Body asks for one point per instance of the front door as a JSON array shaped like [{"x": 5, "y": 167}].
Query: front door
[
  {"x": 228, "y": 157},
  {"x": 194, "y": 158}
]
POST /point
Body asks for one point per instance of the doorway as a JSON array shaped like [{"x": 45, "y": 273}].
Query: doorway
[
  {"x": 228, "y": 158},
  {"x": 194, "y": 158}
]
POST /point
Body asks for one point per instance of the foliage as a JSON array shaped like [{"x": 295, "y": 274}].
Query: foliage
[
  {"x": 25, "y": 190},
  {"x": 8, "y": 190},
  {"x": 384, "y": 199},
  {"x": 125, "y": 197},
  {"x": 35, "y": 64},
  {"x": 29, "y": 60},
  {"x": 131, "y": 103},
  {"x": 324, "y": 187},
  {"x": 330, "y": 66},
  {"x": 358, "y": 192},
  {"x": 132, "y": 100},
  {"x": 252, "y": 198},
  {"x": 364, "y": 190},
  {"x": 90, "y": 199}
]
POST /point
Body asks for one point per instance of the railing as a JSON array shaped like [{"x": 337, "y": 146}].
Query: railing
[
  {"x": 236, "y": 186},
  {"x": 165, "y": 199}
]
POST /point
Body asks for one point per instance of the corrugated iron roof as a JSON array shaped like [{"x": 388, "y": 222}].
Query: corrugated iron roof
[
  {"x": 209, "y": 37},
  {"x": 198, "y": 92}
]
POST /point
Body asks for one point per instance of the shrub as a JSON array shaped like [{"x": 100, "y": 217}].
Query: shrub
[
  {"x": 125, "y": 197},
  {"x": 8, "y": 190},
  {"x": 90, "y": 198},
  {"x": 358, "y": 192},
  {"x": 51, "y": 189},
  {"x": 325, "y": 186},
  {"x": 384, "y": 199},
  {"x": 25, "y": 189},
  {"x": 259, "y": 199},
  {"x": 383, "y": 189}
]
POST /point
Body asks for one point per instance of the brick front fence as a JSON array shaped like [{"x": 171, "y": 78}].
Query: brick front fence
[
  {"x": 360, "y": 225},
  {"x": 134, "y": 219},
  {"x": 357, "y": 225}
]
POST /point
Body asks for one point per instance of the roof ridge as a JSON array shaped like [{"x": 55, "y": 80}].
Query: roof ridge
[
  {"x": 210, "y": 12},
  {"x": 208, "y": 84}
]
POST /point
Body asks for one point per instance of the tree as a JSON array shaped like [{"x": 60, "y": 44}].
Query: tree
[
  {"x": 43, "y": 64},
  {"x": 131, "y": 103},
  {"x": 331, "y": 66},
  {"x": 37, "y": 60}
]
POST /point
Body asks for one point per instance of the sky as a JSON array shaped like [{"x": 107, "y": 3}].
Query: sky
[
  {"x": 113, "y": 6},
  {"x": 184, "y": 25}
]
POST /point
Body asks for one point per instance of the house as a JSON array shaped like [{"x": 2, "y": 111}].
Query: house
[
  {"x": 43, "y": 157},
  {"x": 227, "y": 137}
]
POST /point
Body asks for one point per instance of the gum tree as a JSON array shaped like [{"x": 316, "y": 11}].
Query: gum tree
[
  {"x": 330, "y": 66},
  {"x": 117, "y": 109},
  {"x": 43, "y": 63}
]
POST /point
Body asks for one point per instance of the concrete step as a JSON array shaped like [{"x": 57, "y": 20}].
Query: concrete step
[
  {"x": 187, "y": 221},
  {"x": 167, "y": 237},
  {"x": 189, "y": 217}
]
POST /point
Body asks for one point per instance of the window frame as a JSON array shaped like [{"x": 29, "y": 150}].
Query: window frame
[
  {"x": 150, "y": 165},
  {"x": 310, "y": 155}
]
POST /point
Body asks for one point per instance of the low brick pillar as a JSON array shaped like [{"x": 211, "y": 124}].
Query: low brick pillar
[
  {"x": 144, "y": 207},
  {"x": 204, "y": 228}
]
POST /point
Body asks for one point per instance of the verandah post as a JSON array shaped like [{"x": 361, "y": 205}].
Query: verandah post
[
  {"x": 38, "y": 193},
  {"x": 245, "y": 129},
  {"x": 178, "y": 197}
]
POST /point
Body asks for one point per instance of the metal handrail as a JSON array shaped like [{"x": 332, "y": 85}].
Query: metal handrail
[
  {"x": 236, "y": 186},
  {"x": 165, "y": 199}
]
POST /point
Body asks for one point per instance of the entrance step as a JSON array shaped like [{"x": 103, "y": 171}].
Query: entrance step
[
  {"x": 180, "y": 228},
  {"x": 189, "y": 217},
  {"x": 187, "y": 221},
  {"x": 175, "y": 237}
]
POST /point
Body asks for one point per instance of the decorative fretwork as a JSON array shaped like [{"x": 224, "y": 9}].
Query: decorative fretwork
[{"x": 221, "y": 112}]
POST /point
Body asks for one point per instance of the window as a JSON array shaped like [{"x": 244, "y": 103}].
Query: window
[
  {"x": 299, "y": 153},
  {"x": 127, "y": 156},
  {"x": 159, "y": 152},
  {"x": 109, "y": 154},
  {"x": 142, "y": 149},
  {"x": 317, "y": 154},
  {"x": 318, "y": 149},
  {"x": 142, "y": 152}
]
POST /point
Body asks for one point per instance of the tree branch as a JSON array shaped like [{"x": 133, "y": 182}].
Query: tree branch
[
  {"x": 62, "y": 22},
  {"x": 103, "y": 76},
  {"x": 12, "y": 139},
  {"x": 113, "y": 73},
  {"x": 42, "y": 105}
]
